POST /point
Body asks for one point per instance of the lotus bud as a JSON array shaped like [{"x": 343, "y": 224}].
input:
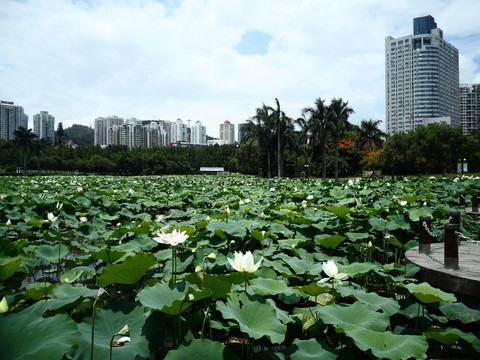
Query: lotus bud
[{"x": 8, "y": 223}]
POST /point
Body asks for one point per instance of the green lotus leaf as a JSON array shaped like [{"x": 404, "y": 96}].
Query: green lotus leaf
[
  {"x": 388, "y": 306},
  {"x": 200, "y": 349},
  {"x": 28, "y": 335},
  {"x": 377, "y": 223},
  {"x": 428, "y": 294},
  {"x": 313, "y": 289},
  {"x": 459, "y": 311},
  {"x": 81, "y": 200},
  {"x": 39, "y": 290},
  {"x": 388, "y": 345},
  {"x": 68, "y": 297},
  {"x": 349, "y": 316},
  {"x": 218, "y": 288},
  {"x": 70, "y": 275},
  {"x": 354, "y": 236},
  {"x": 165, "y": 297},
  {"x": 340, "y": 211},
  {"x": 271, "y": 287},
  {"x": 128, "y": 272},
  {"x": 255, "y": 318},
  {"x": 310, "y": 349},
  {"x": 280, "y": 229},
  {"x": 452, "y": 335},
  {"x": 9, "y": 266},
  {"x": 415, "y": 214},
  {"x": 108, "y": 255},
  {"x": 233, "y": 228},
  {"x": 337, "y": 192},
  {"x": 50, "y": 254},
  {"x": 329, "y": 241},
  {"x": 358, "y": 269},
  {"x": 300, "y": 266},
  {"x": 397, "y": 222},
  {"x": 108, "y": 322}
]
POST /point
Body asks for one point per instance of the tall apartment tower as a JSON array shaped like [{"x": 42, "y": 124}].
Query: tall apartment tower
[
  {"x": 44, "y": 126},
  {"x": 421, "y": 78},
  {"x": 11, "y": 118},
  {"x": 227, "y": 132},
  {"x": 198, "y": 134},
  {"x": 469, "y": 108},
  {"x": 101, "y": 126}
]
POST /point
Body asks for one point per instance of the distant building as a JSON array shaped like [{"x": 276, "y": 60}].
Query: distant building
[
  {"x": 469, "y": 108},
  {"x": 421, "y": 78},
  {"x": 179, "y": 131},
  {"x": 11, "y": 118},
  {"x": 227, "y": 132},
  {"x": 44, "y": 126},
  {"x": 198, "y": 134},
  {"x": 101, "y": 126},
  {"x": 241, "y": 131}
]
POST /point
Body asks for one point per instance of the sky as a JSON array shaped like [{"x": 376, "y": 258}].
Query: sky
[{"x": 211, "y": 60}]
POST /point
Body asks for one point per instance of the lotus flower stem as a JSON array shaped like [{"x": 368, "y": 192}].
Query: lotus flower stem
[
  {"x": 174, "y": 267},
  {"x": 93, "y": 327}
]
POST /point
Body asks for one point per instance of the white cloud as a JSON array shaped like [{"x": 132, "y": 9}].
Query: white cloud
[{"x": 169, "y": 59}]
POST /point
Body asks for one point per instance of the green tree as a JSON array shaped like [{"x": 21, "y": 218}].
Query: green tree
[
  {"x": 370, "y": 136},
  {"x": 338, "y": 114},
  {"x": 315, "y": 129},
  {"x": 24, "y": 139},
  {"x": 59, "y": 134},
  {"x": 38, "y": 148}
]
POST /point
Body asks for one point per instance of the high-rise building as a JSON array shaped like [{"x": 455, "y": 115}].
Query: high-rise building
[
  {"x": 101, "y": 126},
  {"x": 11, "y": 118},
  {"x": 241, "y": 131},
  {"x": 198, "y": 134},
  {"x": 227, "y": 132},
  {"x": 469, "y": 108},
  {"x": 44, "y": 126},
  {"x": 179, "y": 131},
  {"x": 421, "y": 78}
]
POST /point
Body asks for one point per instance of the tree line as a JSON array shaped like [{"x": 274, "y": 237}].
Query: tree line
[{"x": 322, "y": 142}]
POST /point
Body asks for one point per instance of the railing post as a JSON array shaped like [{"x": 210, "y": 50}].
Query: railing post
[
  {"x": 455, "y": 219},
  {"x": 451, "y": 246},
  {"x": 475, "y": 203},
  {"x": 424, "y": 246},
  {"x": 462, "y": 199}
]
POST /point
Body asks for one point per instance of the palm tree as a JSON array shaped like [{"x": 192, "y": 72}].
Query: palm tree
[
  {"x": 279, "y": 120},
  {"x": 370, "y": 136},
  {"x": 316, "y": 128},
  {"x": 24, "y": 139},
  {"x": 38, "y": 147},
  {"x": 338, "y": 113},
  {"x": 258, "y": 129}
]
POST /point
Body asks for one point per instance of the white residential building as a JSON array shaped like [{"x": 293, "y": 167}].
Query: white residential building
[
  {"x": 421, "y": 78},
  {"x": 44, "y": 126},
  {"x": 469, "y": 108},
  {"x": 227, "y": 132}
]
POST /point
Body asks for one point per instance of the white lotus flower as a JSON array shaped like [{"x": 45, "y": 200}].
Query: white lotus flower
[
  {"x": 51, "y": 217},
  {"x": 331, "y": 270},
  {"x": 403, "y": 203},
  {"x": 244, "y": 263},
  {"x": 83, "y": 219},
  {"x": 173, "y": 239}
]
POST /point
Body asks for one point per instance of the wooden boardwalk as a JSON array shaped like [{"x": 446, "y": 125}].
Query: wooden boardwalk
[{"x": 465, "y": 280}]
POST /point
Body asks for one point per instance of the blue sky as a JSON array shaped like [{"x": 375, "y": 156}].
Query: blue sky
[{"x": 211, "y": 60}]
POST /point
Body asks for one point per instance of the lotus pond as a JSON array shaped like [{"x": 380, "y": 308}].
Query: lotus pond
[{"x": 225, "y": 268}]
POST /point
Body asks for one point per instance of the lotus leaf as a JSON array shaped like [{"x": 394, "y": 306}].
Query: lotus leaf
[
  {"x": 389, "y": 345},
  {"x": 48, "y": 337},
  {"x": 8, "y": 266},
  {"x": 459, "y": 311},
  {"x": 168, "y": 298},
  {"x": 451, "y": 335},
  {"x": 255, "y": 318},
  {"x": 128, "y": 272},
  {"x": 108, "y": 322},
  {"x": 200, "y": 349},
  {"x": 310, "y": 349},
  {"x": 428, "y": 294},
  {"x": 345, "y": 316}
]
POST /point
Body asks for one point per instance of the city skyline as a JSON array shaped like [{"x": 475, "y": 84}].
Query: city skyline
[{"x": 211, "y": 61}]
